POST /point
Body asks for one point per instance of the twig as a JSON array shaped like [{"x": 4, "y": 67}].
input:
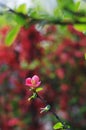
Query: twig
[
  {"x": 32, "y": 20},
  {"x": 68, "y": 22},
  {"x": 11, "y": 10},
  {"x": 51, "y": 110}
]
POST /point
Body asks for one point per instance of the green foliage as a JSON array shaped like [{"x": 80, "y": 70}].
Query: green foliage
[
  {"x": 12, "y": 35},
  {"x": 67, "y": 3},
  {"x": 39, "y": 89},
  {"x": 58, "y": 126},
  {"x": 20, "y": 20},
  {"x": 68, "y": 11},
  {"x": 6, "y": 18},
  {"x": 69, "y": 61},
  {"x": 33, "y": 64},
  {"x": 80, "y": 27},
  {"x": 32, "y": 97},
  {"x": 22, "y": 9},
  {"x": 48, "y": 107},
  {"x": 45, "y": 109},
  {"x": 77, "y": 4}
]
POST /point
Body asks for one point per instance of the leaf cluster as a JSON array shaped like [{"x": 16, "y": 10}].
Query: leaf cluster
[{"x": 64, "y": 13}]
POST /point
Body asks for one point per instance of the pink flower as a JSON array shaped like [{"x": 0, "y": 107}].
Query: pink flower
[{"x": 33, "y": 82}]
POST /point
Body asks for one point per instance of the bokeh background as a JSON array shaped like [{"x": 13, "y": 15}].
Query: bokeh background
[{"x": 56, "y": 55}]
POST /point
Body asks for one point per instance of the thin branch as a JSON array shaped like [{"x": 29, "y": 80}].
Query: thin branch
[
  {"x": 67, "y": 22},
  {"x": 52, "y": 111},
  {"x": 32, "y": 20},
  {"x": 11, "y": 10}
]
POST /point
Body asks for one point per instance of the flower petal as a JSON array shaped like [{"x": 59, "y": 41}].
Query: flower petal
[
  {"x": 28, "y": 81},
  {"x": 35, "y": 78},
  {"x": 38, "y": 84},
  {"x": 33, "y": 82}
]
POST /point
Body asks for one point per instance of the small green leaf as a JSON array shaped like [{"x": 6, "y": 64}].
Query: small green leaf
[
  {"x": 45, "y": 109},
  {"x": 32, "y": 97},
  {"x": 22, "y": 9},
  {"x": 11, "y": 36},
  {"x": 39, "y": 89},
  {"x": 58, "y": 126},
  {"x": 48, "y": 107},
  {"x": 80, "y": 27}
]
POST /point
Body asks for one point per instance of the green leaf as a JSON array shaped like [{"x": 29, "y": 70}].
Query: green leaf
[
  {"x": 45, "y": 109},
  {"x": 48, "y": 107},
  {"x": 58, "y": 126},
  {"x": 58, "y": 13},
  {"x": 39, "y": 89},
  {"x": 77, "y": 4},
  {"x": 67, "y": 3},
  {"x": 20, "y": 20},
  {"x": 22, "y": 9},
  {"x": 32, "y": 97},
  {"x": 11, "y": 36},
  {"x": 80, "y": 27}
]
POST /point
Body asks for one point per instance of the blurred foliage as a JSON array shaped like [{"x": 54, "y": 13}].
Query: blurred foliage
[
  {"x": 62, "y": 14},
  {"x": 35, "y": 42}
]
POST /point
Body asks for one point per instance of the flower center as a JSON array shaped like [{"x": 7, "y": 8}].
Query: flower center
[{"x": 33, "y": 82}]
